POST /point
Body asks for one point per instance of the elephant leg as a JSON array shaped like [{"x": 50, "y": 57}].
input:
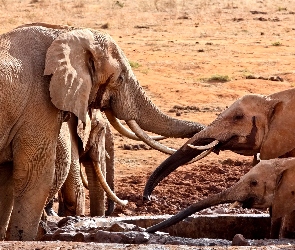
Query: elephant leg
[
  {"x": 6, "y": 196},
  {"x": 275, "y": 228},
  {"x": 49, "y": 209},
  {"x": 287, "y": 229},
  {"x": 33, "y": 171},
  {"x": 30, "y": 193}
]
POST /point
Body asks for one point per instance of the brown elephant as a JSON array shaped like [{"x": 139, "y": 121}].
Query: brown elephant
[
  {"x": 46, "y": 72},
  {"x": 254, "y": 124},
  {"x": 269, "y": 184}
]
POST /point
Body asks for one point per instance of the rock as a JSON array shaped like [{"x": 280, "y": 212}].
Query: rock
[
  {"x": 104, "y": 237},
  {"x": 63, "y": 222},
  {"x": 239, "y": 240},
  {"x": 121, "y": 227},
  {"x": 276, "y": 78},
  {"x": 127, "y": 147}
]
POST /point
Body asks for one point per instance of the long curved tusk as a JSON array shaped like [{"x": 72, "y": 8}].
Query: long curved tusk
[
  {"x": 106, "y": 187},
  {"x": 208, "y": 146},
  {"x": 201, "y": 156},
  {"x": 123, "y": 131},
  {"x": 145, "y": 138},
  {"x": 84, "y": 181}
]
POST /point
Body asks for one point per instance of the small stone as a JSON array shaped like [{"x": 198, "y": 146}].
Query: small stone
[
  {"x": 122, "y": 227},
  {"x": 79, "y": 237},
  {"x": 127, "y": 147},
  {"x": 239, "y": 240}
]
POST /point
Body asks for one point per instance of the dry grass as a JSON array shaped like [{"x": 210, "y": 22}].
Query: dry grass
[{"x": 93, "y": 13}]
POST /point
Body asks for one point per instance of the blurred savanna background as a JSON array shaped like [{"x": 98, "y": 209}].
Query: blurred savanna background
[{"x": 193, "y": 58}]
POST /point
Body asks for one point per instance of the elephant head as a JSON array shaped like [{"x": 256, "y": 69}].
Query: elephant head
[
  {"x": 90, "y": 70},
  {"x": 252, "y": 124},
  {"x": 269, "y": 184}
]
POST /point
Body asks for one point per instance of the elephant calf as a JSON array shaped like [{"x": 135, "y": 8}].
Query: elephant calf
[
  {"x": 269, "y": 184},
  {"x": 94, "y": 149}
]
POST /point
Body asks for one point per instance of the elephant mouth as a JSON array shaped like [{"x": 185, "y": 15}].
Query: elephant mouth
[
  {"x": 248, "y": 202},
  {"x": 236, "y": 146}
]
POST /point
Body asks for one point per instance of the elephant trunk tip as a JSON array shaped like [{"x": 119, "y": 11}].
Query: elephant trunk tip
[
  {"x": 146, "y": 198},
  {"x": 147, "y": 193}
]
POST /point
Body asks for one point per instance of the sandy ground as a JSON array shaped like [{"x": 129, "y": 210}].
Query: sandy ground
[{"x": 175, "y": 48}]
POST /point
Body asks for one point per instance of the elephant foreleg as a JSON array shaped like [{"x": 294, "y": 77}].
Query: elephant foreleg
[
  {"x": 31, "y": 187},
  {"x": 6, "y": 196}
]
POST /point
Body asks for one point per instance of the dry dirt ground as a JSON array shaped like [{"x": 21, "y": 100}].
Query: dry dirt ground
[{"x": 177, "y": 48}]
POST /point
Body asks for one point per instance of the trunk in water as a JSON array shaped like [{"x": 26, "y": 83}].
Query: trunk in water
[
  {"x": 213, "y": 200},
  {"x": 141, "y": 109}
]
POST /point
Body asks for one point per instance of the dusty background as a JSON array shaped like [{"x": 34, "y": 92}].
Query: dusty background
[{"x": 177, "y": 48}]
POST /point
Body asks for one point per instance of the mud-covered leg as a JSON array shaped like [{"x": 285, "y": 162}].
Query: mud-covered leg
[{"x": 6, "y": 196}]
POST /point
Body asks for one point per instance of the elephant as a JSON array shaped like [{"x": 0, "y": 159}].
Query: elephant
[
  {"x": 253, "y": 124},
  {"x": 269, "y": 184},
  {"x": 69, "y": 178},
  {"x": 46, "y": 73}
]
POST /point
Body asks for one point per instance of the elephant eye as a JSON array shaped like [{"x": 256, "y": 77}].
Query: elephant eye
[
  {"x": 253, "y": 183},
  {"x": 121, "y": 78},
  {"x": 238, "y": 117}
]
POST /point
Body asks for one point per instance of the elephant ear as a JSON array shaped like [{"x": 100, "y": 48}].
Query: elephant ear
[
  {"x": 67, "y": 60},
  {"x": 280, "y": 138},
  {"x": 284, "y": 195}
]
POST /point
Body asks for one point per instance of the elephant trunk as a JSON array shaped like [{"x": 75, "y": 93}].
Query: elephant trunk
[
  {"x": 220, "y": 198},
  {"x": 138, "y": 107},
  {"x": 180, "y": 157}
]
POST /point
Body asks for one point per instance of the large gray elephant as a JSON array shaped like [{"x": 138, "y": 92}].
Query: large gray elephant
[
  {"x": 269, "y": 184},
  {"x": 47, "y": 71},
  {"x": 254, "y": 124}
]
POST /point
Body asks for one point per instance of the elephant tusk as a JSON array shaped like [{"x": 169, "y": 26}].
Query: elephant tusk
[
  {"x": 106, "y": 187},
  {"x": 84, "y": 180},
  {"x": 208, "y": 146},
  {"x": 148, "y": 140},
  {"x": 201, "y": 156},
  {"x": 123, "y": 131}
]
